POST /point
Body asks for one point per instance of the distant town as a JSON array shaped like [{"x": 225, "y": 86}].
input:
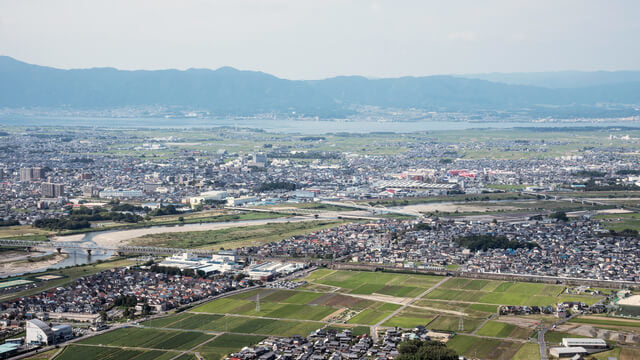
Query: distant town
[{"x": 243, "y": 244}]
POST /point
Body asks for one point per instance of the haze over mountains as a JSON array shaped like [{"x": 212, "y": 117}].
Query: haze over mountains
[{"x": 227, "y": 91}]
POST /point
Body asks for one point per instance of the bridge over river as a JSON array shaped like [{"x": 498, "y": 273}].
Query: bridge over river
[{"x": 59, "y": 246}]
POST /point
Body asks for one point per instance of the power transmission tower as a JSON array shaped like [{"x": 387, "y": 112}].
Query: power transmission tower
[
  {"x": 461, "y": 324},
  {"x": 258, "y": 303}
]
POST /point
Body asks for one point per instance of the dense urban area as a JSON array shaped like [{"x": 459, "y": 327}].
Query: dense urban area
[{"x": 243, "y": 244}]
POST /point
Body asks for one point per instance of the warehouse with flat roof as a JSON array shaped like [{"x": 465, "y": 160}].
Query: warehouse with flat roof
[{"x": 587, "y": 344}]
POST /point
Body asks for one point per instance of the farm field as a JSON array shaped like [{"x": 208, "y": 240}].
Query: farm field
[
  {"x": 235, "y": 324},
  {"x": 452, "y": 323},
  {"x": 341, "y": 299},
  {"x": 503, "y": 293},
  {"x": 528, "y": 352},
  {"x": 225, "y": 344},
  {"x": 411, "y": 317},
  {"x": 504, "y": 330},
  {"x": 367, "y": 283},
  {"x": 483, "y": 348},
  {"x": 79, "y": 352},
  {"x": 149, "y": 338},
  {"x": 607, "y": 321},
  {"x": 297, "y": 305}
]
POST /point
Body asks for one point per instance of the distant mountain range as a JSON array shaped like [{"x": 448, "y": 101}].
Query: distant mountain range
[
  {"x": 560, "y": 79},
  {"x": 227, "y": 91}
]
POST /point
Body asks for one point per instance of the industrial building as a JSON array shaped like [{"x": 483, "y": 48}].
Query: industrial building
[
  {"x": 207, "y": 196},
  {"x": 269, "y": 270},
  {"x": 38, "y": 333},
  {"x": 567, "y": 352},
  {"x": 241, "y": 200},
  {"x": 8, "y": 349},
  {"x": 223, "y": 262},
  {"x": 120, "y": 193},
  {"x": 578, "y": 346},
  {"x": 591, "y": 345}
]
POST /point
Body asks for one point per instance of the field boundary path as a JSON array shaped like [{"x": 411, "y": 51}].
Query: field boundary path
[
  {"x": 482, "y": 324},
  {"x": 193, "y": 349},
  {"x": 374, "y": 328}
]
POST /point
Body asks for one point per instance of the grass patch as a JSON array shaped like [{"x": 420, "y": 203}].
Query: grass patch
[
  {"x": 234, "y": 237},
  {"x": 528, "y": 352}
]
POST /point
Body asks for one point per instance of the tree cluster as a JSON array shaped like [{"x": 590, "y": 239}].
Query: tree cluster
[
  {"x": 164, "y": 210},
  {"x": 485, "y": 242},
  {"x": 10, "y": 222},
  {"x": 278, "y": 185},
  {"x": 425, "y": 350}
]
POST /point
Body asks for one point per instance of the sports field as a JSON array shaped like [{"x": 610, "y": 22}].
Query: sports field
[{"x": 15, "y": 282}]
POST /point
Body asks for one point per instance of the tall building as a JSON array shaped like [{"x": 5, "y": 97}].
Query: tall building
[
  {"x": 51, "y": 190},
  {"x": 90, "y": 191},
  {"x": 31, "y": 174},
  {"x": 259, "y": 160}
]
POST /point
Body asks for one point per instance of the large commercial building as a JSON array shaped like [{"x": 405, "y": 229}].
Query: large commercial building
[
  {"x": 51, "y": 190},
  {"x": 120, "y": 193}
]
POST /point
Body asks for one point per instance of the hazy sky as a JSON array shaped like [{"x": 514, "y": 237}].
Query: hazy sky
[{"x": 302, "y": 39}]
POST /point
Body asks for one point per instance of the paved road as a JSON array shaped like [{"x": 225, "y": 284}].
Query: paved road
[{"x": 542, "y": 343}]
